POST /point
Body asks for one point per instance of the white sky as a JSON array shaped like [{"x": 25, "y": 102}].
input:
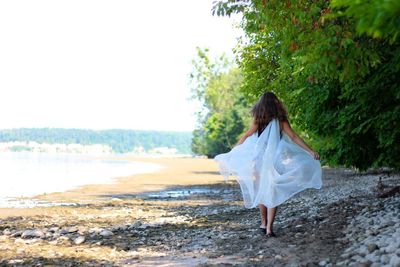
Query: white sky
[{"x": 103, "y": 64}]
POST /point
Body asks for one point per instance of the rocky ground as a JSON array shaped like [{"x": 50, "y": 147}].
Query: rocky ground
[{"x": 343, "y": 224}]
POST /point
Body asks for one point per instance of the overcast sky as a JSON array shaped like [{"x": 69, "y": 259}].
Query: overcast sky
[{"x": 103, "y": 64}]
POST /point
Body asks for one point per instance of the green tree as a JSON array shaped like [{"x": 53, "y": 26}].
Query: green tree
[
  {"x": 335, "y": 65},
  {"x": 223, "y": 114}
]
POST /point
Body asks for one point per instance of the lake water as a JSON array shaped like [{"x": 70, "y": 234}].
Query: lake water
[{"x": 29, "y": 174}]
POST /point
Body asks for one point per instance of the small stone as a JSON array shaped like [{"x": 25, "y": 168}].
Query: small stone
[
  {"x": 372, "y": 258},
  {"x": 278, "y": 257},
  {"x": 372, "y": 247},
  {"x": 106, "y": 233},
  {"x": 391, "y": 248},
  {"x": 6, "y": 231},
  {"x": 32, "y": 234},
  {"x": 395, "y": 261},
  {"x": 63, "y": 232},
  {"x": 15, "y": 261},
  {"x": 385, "y": 259},
  {"x": 16, "y": 234},
  {"x": 136, "y": 224},
  {"x": 322, "y": 263},
  {"x": 79, "y": 240}
]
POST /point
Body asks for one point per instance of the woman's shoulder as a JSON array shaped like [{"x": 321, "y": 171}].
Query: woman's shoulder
[{"x": 283, "y": 122}]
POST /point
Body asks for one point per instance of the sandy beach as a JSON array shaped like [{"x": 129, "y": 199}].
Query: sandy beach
[{"x": 186, "y": 215}]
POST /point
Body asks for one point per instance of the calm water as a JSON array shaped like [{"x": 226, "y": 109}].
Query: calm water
[{"x": 30, "y": 174}]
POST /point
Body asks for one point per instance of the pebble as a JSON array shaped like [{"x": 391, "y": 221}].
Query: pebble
[
  {"x": 136, "y": 224},
  {"x": 6, "y": 232},
  {"x": 106, "y": 233},
  {"x": 32, "y": 233},
  {"x": 395, "y": 261},
  {"x": 372, "y": 247},
  {"x": 79, "y": 240}
]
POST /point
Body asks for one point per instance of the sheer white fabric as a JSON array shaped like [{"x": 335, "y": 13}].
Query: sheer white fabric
[{"x": 269, "y": 168}]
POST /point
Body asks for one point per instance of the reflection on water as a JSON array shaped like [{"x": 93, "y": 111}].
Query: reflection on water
[
  {"x": 30, "y": 174},
  {"x": 29, "y": 203},
  {"x": 226, "y": 194},
  {"x": 182, "y": 193}
]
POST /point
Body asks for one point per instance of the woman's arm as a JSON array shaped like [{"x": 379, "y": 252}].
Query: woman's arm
[
  {"x": 252, "y": 130},
  {"x": 289, "y": 131}
]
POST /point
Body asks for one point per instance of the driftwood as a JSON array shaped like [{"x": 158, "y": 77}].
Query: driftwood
[
  {"x": 391, "y": 192},
  {"x": 385, "y": 191}
]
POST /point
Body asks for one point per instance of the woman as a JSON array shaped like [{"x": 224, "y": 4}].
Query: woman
[{"x": 271, "y": 162}]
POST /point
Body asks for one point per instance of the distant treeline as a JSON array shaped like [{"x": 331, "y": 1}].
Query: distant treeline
[{"x": 121, "y": 141}]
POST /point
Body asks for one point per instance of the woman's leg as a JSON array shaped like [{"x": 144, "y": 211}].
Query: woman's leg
[
  {"x": 271, "y": 216},
  {"x": 263, "y": 213}
]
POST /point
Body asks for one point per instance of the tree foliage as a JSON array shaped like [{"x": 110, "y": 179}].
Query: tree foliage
[
  {"x": 335, "y": 65},
  {"x": 376, "y": 18},
  {"x": 222, "y": 117}
]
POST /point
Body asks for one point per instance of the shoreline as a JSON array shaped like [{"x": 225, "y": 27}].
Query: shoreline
[
  {"x": 172, "y": 171},
  {"x": 28, "y": 178}
]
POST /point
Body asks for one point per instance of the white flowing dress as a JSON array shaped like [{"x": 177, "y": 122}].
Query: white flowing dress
[{"x": 270, "y": 168}]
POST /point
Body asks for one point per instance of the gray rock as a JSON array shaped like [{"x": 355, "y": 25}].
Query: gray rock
[
  {"x": 385, "y": 259},
  {"x": 32, "y": 234},
  {"x": 278, "y": 257},
  {"x": 69, "y": 230},
  {"x": 16, "y": 234},
  {"x": 372, "y": 247},
  {"x": 363, "y": 250},
  {"x": 106, "y": 233},
  {"x": 391, "y": 248},
  {"x": 372, "y": 258},
  {"x": 63, "y": 232},
  {"x": 6, "y": 231},
  {"x": 389, "y": 223},
  {"x": 136, "y": 224},
  {"x": 79, "y": 240},
  {"x": 395, "y": 261},
  {"x": 322, "y": 263}
]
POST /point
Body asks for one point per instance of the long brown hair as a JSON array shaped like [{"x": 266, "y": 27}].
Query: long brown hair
[{"x": 267, "y": 108}]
